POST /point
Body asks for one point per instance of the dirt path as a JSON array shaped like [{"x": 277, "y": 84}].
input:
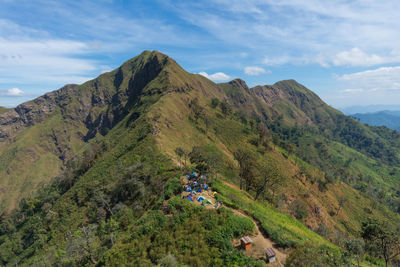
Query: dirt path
[{"x": 260, "y": 242}]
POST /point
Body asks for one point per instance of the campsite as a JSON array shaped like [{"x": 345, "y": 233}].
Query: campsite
[{"x": 258, "y": 246}]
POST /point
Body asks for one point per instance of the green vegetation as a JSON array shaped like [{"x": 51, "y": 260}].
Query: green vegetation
[
  {"x": 97, "y": 176},
  {"x": 281, "y": 228}
]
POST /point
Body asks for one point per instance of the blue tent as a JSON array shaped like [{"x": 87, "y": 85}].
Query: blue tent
[
  {"x": 190, "y": 198},
  {"x": 188, "y": 189},
  {"x": 200, "y": 198}
]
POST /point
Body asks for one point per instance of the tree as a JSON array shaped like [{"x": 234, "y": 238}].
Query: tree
[
  {"x": 215, "y": 163},
  {"x": 180, "y": 153},
  {"x": 207, "y": 123},
  {"x": 298, "y": 209},
  {"x": 355, "y": 247},
  {"x": 197, "y": 110},
  {"x": 199, "y": 157},
  {"x": 225, "y": 108},
  {"x": 382, "y": 238},
  {"x": 342, "y": 201},
  {"x": 214, "y": 102},
  {"x": 82, "y": 244},
  {"x": 246, "y": 166},
  {"x": 267, "y": 177}
]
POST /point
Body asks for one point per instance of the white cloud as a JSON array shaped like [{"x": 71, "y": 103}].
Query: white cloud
[
  {"x": 382, "y": 79},
  {"x": 353, "y": 33},
  {"x": 357, "y": 57},
  {"x": 352, "y": 91},
  {"x": 274, "y": 61},
  {"x": 254, "y": 70},
  {"x": 218, "y": 76},
  {"x": 29, "y": 56},
  {"x": 14, "y": 92}
]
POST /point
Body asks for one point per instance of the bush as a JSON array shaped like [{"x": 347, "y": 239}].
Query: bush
[
  {"x": 173, "y": 187},
  {"x": 233, "y": 227},
  {"x": 298, "y": 209},
  {"x": 315, "y": 256},
  {"x": 214, "y": 102}
]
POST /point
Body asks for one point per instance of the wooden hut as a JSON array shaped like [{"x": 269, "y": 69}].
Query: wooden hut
[
  {"x": 270, "y": 255},
  {"x": 246, "y": 242}
]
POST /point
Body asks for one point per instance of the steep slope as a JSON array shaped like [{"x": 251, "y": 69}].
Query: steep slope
[
  {"x": 309, "y": 181},
  {"x": 39, "y": 137},
  {"x": 113, "y": 200}
]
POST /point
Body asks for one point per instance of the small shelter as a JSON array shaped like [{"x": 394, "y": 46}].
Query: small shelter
[
  {"x": 200, "y": 198},
  {"x": 270, "y": 254},
  {"x": 246, "y": 243}
]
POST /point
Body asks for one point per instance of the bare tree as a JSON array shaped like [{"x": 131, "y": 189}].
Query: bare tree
[
  {"x": 246, "y": 164},
  {"x": 381, "y": 237}
]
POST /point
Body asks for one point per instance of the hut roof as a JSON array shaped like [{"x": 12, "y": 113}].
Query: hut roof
[
  {"x": 270, "y": 252},
  {"x": 246, "y": 240}
]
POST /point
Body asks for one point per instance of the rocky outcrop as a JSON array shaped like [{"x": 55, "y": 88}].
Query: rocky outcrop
[{"x": 32, "y": 112}]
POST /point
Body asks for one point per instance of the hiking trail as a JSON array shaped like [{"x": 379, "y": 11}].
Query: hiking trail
[{"x": 260, "y": 240}]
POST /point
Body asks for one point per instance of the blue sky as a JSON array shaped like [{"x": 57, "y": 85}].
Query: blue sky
[{"x": 348, "y": 52}]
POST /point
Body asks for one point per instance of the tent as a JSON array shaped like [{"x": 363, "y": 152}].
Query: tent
[
  {"x": 190, "y": 198},
  {"x": 200, "y": 198},
  {"x": 188, "y": 189},
  {"x": 206, "y": 201}
]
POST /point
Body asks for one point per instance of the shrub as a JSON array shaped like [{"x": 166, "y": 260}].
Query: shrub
[
  {"x": 214, "y": 102},
  {"x": 233, "y": 227},
  {"x": 173, "y": 187},
  {"x": 298, "y": 209}
]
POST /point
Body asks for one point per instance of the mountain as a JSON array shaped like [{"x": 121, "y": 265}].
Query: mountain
[
  {"x": 369, "y": 109},
  {"x": 390, "y": 119},
  {"x": 92, "y": 174}
]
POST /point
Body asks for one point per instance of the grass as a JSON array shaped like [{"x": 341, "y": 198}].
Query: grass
[{"x": 281, "y": 228}]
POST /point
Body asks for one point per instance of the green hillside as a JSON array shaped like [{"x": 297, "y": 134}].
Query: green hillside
[{"x": 97, "y": 173}]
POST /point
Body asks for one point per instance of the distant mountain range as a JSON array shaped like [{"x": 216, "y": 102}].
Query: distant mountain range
[
  {"x": 368, "y": 109},
  {"x": 388, "y": 118}
]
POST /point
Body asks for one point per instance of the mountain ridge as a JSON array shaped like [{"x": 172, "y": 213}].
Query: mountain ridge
[
  {"x": 388, "y": 118},
  {"x": 122, "y": 171}
]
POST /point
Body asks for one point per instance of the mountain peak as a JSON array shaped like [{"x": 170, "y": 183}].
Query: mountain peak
[{"x": 239, "y": 83}]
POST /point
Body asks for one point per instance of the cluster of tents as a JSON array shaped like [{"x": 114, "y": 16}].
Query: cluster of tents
[{"x": 196, "y": 185}]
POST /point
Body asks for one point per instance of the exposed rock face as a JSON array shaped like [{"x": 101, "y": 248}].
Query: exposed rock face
[
  {"x": 88, "y": 105},
  {"x": 32, "y": 112},
  {"x": 239, "y": 83}
]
